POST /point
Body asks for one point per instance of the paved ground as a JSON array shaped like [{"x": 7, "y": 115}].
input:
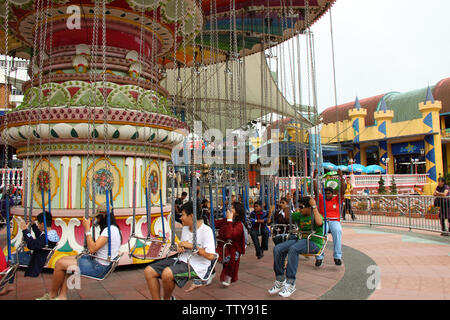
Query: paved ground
[{"x": 412, "y": 265}]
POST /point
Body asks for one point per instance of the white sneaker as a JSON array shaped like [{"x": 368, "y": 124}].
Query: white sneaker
[
  {"x": 287, "y": 290},
  {"x": 211, "y": 279},
  {"x": 227, "y": 281},
  {"x": 277, "y": 287}
]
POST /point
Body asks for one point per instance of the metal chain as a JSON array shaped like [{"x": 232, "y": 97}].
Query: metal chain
[
  {"x": 105, "y": 104},
  {"x": 91, "y": 109},
  {"x": 5, "y": 128}
]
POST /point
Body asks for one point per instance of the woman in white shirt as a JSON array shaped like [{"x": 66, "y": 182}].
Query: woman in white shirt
[{"x": 88, "y": 265}]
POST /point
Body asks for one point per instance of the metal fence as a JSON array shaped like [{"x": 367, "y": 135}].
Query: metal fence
[{"x": 407, "y": 211}]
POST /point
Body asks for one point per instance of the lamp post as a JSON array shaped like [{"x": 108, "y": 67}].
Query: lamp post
[{"x": 386, "y": 161}]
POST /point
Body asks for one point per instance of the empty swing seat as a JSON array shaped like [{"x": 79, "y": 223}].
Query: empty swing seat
[
  {"x": 7, "y": 274},
  {"x": 152, "y": 248}
]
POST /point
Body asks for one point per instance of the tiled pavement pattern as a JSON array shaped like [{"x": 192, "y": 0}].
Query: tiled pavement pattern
[{"x": 414, "y": 265}]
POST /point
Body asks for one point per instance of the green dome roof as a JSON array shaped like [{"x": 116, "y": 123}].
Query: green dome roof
[{"x": 405, "y": 105}]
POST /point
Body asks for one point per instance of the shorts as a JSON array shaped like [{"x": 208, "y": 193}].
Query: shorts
[
  {"x": 92, "y": 268},
  {"x": 24, "y": 258},
  {"x": 179, "y": 270}
]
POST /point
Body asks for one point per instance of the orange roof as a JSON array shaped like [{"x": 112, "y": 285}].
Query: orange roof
[
  {"x": 442, "y": 93},
  {"x": 329, "y": 114}
]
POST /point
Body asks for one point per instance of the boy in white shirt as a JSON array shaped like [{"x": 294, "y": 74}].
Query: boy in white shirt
[{"x": 175, "y": 270}]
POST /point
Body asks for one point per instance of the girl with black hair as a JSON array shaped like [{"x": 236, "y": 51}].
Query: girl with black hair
[
  {"x": 88, "y": 265},
  {"x": 232, "y": 228}
]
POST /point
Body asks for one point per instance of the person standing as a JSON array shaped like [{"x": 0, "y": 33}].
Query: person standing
[
  {"x": 348, "y": 199},
  {"x": 443, "y": 202}
]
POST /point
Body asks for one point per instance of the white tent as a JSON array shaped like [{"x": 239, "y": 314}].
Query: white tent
[{"x": 214, "y": 95}]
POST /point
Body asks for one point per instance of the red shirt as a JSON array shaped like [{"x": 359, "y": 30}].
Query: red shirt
[
  {"x": 3, "y": 263},
  {"x": 332, "y": 208}
]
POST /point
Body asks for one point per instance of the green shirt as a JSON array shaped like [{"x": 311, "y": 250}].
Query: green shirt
[{"x": 304, "y": 224}]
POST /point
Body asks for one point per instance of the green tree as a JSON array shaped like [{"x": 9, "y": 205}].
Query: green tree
[
  {"x": 393, "y": 186},
  {"x": 381, "y": 187}
]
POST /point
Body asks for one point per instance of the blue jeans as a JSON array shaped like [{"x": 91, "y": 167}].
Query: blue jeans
[
  {"x": 91, "y": 267},
  {"x": 291, "y": 248},
  {"x": 24, "y": 260},
  {"x": 335, "y": 228}
]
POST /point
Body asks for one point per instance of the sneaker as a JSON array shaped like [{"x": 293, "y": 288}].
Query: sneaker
[
  {"x": 47, "y": 297},
  {"x": 172, "y": 298},
  {"x": 445, "y": 234},
  {"x": 210, "y": 279},
  {"x": 338, "y": 262},
  {"x": 319, "y": 262},
  {"x": 277, "y": 287},
  {"x": 353, "y": 217},
  {"x": 227, "y": 281},
  {"x": 287, "y": 290}
]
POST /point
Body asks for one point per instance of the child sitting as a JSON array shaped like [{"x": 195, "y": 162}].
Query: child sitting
[{"x": 36, "y": 258}]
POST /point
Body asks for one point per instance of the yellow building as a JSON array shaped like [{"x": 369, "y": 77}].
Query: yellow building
[{"x": 405, "y": 133}]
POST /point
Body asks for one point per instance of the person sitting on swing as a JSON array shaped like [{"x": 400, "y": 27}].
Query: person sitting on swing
[
  {"x": 35, "y": 258},
  {"x": 281, "y": 217},
  {"x": 333, "y": 219},
  {"x": 232, "y": 228},
  {"x": 174, "y": 271},
  {"x": 206, "y": 207},
  {"x": 259, "y": 220},
  {"x": 178, "y": 204},
  {"x": 88, "y": 265},
  {"x": 285, "y": 276}
]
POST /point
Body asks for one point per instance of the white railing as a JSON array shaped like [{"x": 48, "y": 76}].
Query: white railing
[
  {"x": 362, "y": 181},
  {"x": 11, "y": 177},
  {"x": 400, "y": 180}
]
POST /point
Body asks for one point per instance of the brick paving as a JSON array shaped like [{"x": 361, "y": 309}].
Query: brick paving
[{"x": 413, "y": 265}]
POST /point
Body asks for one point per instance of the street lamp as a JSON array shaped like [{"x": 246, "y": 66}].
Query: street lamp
[{"x": 351, "y": 163}]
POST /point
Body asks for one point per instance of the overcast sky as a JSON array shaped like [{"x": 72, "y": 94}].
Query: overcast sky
[{"x": 380, "y": 46}]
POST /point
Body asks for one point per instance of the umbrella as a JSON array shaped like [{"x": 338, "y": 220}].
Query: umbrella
[
  {"x": 343, "y": 168},
  {"x": 375, "y": 169},
  {"x": 330, "y": 174},
  {"x": 356, "y": 168},
  {"x": 329, "y": 166}
]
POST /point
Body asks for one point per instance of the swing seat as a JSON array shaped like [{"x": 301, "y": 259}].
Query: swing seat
[
  {"x": 113, "y": 263},
  {"x": 211, "y": 267},
  {"x": 153, "y": 248},
  {"x": 280, "y": 232},
  {"x": 7, "y": 274},
  {"x": 225, "y": 245},
  {"x": 310, "y": 235},
  {"x": 283, "y": 229},
  {"x": 51, "y": 252}
]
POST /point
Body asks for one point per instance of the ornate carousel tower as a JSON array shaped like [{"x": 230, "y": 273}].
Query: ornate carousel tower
[{"x": 96, "y": 108}]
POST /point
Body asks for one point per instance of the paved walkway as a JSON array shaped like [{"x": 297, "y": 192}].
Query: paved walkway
[{"x": 412, "y": 265}]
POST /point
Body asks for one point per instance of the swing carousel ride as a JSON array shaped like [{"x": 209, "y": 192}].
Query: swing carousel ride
[{"x": 115, "y": 85}]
